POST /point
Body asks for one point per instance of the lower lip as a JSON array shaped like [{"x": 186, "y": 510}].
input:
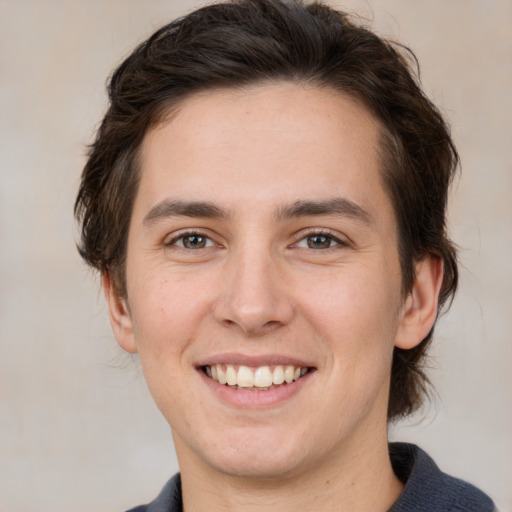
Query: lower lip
[{"x": 255, "y": 399}]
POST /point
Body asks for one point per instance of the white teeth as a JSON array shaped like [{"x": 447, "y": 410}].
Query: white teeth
[
  {"x": 230, "y": 375},
  {"x": 261, "y": 378},
  {"x": 278, "y": 375},
  {"x": 288, "y": 374},
  {"x": 221, "y": 375},
  {"x": 245, "y": 377}
]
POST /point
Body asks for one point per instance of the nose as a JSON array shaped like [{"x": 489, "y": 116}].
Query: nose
[{"x": 253, "y": 297}]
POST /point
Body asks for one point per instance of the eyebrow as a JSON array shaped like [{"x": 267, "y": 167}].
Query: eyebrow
[
  {"x": 337, "y": 206},
  {"x": 174, "y": 208}
]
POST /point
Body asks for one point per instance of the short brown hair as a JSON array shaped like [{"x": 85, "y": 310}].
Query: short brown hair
[{"x": 250, "y": 41}]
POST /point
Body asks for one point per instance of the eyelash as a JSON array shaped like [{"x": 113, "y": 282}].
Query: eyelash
[
  {"x": 329, "y": 236},
  {"x": 190, "y": 234}
]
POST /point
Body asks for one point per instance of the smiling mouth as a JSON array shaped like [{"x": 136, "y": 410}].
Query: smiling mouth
[{"x": 262, "y": 378}]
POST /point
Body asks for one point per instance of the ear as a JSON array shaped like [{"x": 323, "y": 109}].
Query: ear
[
  {"x": 120, "y": 317},
  {"x": 419, "y": 311}
]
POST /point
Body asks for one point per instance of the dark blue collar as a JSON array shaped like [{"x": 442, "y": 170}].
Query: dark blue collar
[{"x": 427, "y": 488}]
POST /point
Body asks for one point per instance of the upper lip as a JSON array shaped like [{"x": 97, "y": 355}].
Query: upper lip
[{"x": 253, "y": 360}]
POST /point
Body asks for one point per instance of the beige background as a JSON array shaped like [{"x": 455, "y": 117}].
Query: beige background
[{"x": 78, "y": 429}]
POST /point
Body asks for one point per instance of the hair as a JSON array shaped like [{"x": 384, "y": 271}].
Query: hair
[{"x": 247, "y": 42}]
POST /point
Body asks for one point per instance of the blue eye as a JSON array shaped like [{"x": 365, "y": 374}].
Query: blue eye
[
  {"x": 318, "y": 241},
  {"x": 192, "y": 241}
]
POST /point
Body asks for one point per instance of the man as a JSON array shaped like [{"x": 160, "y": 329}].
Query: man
[{"x": 265, "y": 201}]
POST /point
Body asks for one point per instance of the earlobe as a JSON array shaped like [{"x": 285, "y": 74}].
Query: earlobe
[
  {"x": 120, "y": 317},
  {"x": 419, "y": 311}
]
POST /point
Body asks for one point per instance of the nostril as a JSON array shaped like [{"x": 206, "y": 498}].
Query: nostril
[
  {"x": 255, "y": 308},
  {"x": 273, "y": 323}
]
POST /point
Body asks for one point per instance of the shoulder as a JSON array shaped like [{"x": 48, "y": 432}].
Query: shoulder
[
  {"x": 428, "y": 488},
  {"x": 169, "y": 499}
]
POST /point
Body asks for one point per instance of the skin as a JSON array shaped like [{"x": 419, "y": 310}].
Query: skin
[{"x": 259, "y": 285}]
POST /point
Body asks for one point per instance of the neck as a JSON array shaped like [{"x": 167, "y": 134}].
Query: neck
[{"x": 362, "y": 480}]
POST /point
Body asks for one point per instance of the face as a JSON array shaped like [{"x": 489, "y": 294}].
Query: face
[{"x": 263, "y": 279}]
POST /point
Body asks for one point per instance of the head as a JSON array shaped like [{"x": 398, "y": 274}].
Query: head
[{"x": 246, "y": 43}]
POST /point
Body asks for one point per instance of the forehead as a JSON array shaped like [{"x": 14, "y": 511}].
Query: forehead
[{"x": 271, "y": 143}]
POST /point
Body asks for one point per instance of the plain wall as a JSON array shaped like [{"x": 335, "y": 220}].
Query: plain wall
[{"x": 78, "y": 430}]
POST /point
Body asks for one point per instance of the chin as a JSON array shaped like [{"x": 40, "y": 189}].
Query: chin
[
  {"x": 251, "y": 453},
  {"x": 260, "y": 466}
]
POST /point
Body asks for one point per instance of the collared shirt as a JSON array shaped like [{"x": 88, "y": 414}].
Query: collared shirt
[{"x": 427, "y": 488}]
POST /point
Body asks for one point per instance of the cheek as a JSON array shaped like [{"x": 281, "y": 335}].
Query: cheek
[
  {"x": 165, "y": 312},
  {"x": 356, "y": 298},
  {"x": 357, "y": 314}
]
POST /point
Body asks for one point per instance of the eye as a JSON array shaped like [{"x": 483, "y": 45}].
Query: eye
[
  {"x": 192, "y": 241},
  {"x": 319, "y": 241}
]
